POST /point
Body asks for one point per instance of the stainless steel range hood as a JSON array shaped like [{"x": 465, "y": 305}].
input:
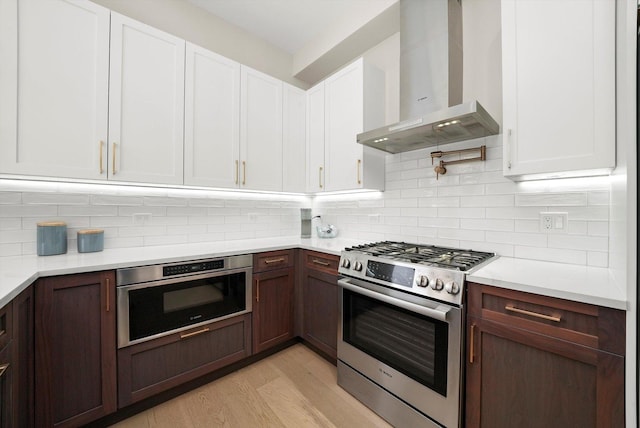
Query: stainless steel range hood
[{"x": 431, "y": 111}]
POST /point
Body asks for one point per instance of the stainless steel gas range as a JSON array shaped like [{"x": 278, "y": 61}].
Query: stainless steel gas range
[{"x": 400, "y": 340}]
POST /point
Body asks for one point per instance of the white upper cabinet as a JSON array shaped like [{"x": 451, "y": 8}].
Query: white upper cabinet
[
  {"x": 294, "y": 174},
  {"x": 354, "y": 102},
  {"x": 315, "y": 138},
  {"x": 212, "y": 119},
  {"x": 558, "y": 87},
  {"x": 146, "y": 103},
  {"x": 260, "y": 131},
  {"x": 54, "y": 64}
]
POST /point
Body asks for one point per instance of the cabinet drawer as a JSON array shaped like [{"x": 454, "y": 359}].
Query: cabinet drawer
[
  {"x": 272, "y": 260},
  {"x": 584, "y": 324},
  {"x": 321, "y": 261}
]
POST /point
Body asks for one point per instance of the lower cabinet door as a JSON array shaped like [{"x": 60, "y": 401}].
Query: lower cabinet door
[
  {"x": 6, "y": 380},
  {"x": 320, "y": 306},
  {"x": 75, "y": 349},
  {"x": 518, "y": 378},
  {"x": 151, "y": 367},
  {"x": 272, "y": 308}
]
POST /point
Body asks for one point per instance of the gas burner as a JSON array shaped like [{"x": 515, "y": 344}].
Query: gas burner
[{"x": 429, "y": 255}]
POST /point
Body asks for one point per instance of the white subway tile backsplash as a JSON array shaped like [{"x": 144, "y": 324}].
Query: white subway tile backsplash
[
  {"x": 438, "y": 222},
  {"x": 467, "y": 235},
  {"x": 159, "y": 201},
  {"x": 598, "y": 259},
  {"x": 87, "y": 210},
  {"x": 116, "y": 200},
  {"x": 515, "y": 238},
  {"x": 9, "y": 198},
  {"x": 597, "y": 228},
  {"x": 589, "y": 243},
  {"x": 29, "y": 211},
  {"x": 165, "y": 240},
  {"x": 552, "y": 255},
  {"x": 10, "y": 223},
  {"x": 527, "y": 226},
  {"x": 487, "y": 201},
  {"x": 8, "y": 250},
  {"x": 462, "y": 212},
  {"x": 503, "y": 225},
  {"x": 600, "y": 197},
  {"x": 439, "y": 202},
  {"x": 551, "y": 199}
]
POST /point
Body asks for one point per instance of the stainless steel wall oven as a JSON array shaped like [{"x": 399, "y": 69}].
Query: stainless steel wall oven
[
  {"x": 157, "y": 300},
  {"x": 400, "y": 339}
]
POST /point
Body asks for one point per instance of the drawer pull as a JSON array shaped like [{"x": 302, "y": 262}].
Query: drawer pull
[
  {"x": 194, "y": 333},
  {"x": 321, "y": 263},
  {"x": 108, "y": 296},
  {"x": 472, "y": 343},
  {"x": 278, "y": 260},
  {"x": 3, "y": 368},
  {"x": 532, "y": 314}
]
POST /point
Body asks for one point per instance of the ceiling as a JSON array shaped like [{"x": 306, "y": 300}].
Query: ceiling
[{"x": 288, "y": 24}]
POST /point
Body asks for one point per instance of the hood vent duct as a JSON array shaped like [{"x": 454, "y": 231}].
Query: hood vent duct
[{"x": 431, "y": 83}]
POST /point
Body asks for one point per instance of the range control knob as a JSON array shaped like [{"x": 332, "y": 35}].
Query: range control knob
[
  {"x": 437, "y": 284},
  {"x": 422, "y": 281},
  {"x": 357, "y": 266},
  {"x": 345, "y": 263},
  {"x": 452, "y": 287}
]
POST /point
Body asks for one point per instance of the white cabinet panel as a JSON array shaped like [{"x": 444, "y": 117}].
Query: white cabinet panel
[
  {"x": 54, "y": 57},
  {"x": 146, "y": 103},
  {"x": 315, "y": 138},
  {"x": 558, "y": 87},
  {"x": 260, "y": 131},
  {"x": 293, "y": 139},
  {"x": 354, "y": 102},
  {"x": 212, "y": 119}
]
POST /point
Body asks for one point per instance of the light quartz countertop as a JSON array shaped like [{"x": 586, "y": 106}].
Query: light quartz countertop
[{"x": 578, "y": 283}]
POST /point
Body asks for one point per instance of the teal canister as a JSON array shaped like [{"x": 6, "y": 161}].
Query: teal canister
[
  {"x": 52, "y": 238},
  {"x": 90, "y": 240}
]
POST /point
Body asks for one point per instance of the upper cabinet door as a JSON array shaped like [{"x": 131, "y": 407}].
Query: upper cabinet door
[
  {"x": 294, "y": 176},
  {"x": 212, "y": 119},
  {"x": 558, "y": 87},
  {"x": 354, "y": 102},
  {"x": 315, "y": 138},
  {"x": 260, "y": 131},
  {"x": 53, "y": 118},
  {"x": 146, "y": 103}
]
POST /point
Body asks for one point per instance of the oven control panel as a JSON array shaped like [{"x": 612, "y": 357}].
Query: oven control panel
[
  {"x": 433, "y": 282},
  {"x": 192, "y": 267}
]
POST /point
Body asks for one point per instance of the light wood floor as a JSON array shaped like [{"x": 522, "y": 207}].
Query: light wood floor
[{"x": 293, "y": 388}]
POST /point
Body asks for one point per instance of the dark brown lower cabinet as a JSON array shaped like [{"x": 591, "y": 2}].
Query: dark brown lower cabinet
[
  {"x": 23, "y": 359},
  {"x": 542, "y": 362},
  {"x": 75, "y": 349},
  {"x": 6, "y": 367},
  {"x": 320, "y": 302},
  {"x": 151, "y": 367},
  {"x": 272, "y": 308}
]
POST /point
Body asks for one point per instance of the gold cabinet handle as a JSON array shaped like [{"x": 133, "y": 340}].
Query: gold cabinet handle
[
  {"x": 113, "y": 160},
  {"x": 108, "y": 296},
  {"x": 281, "y": 259},
  {"x": 359, "y": 163},
  {"x": 512, "y": 308},
  {"x": 194, "y": 333},
  {"x": 257, "y": 290},
  {"x": 237, "y": 171},
  {"x": 320, "y": 262},
  {"x": 101, "y": 167},
  {"x": 3, "y": 368},
  {"x": 320, "y": 178},
  {"x": 244, "y": 172},
  {"x": 472, "y": 337}
]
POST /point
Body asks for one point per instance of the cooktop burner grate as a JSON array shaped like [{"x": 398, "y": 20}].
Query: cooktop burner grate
[{"x": 430, "y": 255}]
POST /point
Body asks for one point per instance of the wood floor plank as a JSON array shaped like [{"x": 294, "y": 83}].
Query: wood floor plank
[{"x": 293, "y": 388}]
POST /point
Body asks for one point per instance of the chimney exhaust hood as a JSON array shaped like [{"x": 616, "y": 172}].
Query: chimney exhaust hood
[{"x": 431, "y": 83}]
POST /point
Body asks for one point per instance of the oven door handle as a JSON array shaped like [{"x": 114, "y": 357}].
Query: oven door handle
[{"x": 439, "y": 313}]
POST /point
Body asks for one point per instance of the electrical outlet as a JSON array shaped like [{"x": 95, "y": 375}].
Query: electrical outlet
[
  {"x": 554, "y": 222},
  {"x": 374, "y": 218},
  {"x": 140, "y": 219},
  {"x": 253, "y": 217}
]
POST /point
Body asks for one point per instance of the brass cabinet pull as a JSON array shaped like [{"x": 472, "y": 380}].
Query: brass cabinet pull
[
  {"x": 320, "y": 262},
  {"x": 113, "y": 160},
  {"x": 472, "y": 337},
  {"x": 101, "y": 168},
  {"x": 359, "y": 163},
  {"x": 194, "y": 333},
  {"x": 244, "y": 172},
  {"x": 108, "y": 296},
  {"x": 237, "y": 171},
  {"x": 512, "y": 308},
  {"x": 281, "y": 259},
  {"x": 3, "y": 368},
  {"x": 320, "y": 178},
  {"x": 257, "y": 290}
]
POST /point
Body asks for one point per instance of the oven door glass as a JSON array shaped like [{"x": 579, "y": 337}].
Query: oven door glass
[
  {"x": 157, "y": 309},
  {"x": 411, "y": 343}
]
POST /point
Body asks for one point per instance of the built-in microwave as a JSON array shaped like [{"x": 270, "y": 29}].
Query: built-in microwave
[{"x": 158, "y": 300}]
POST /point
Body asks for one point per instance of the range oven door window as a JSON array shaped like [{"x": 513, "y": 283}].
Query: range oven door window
[
  {"x": 411, "y": 343},
  {"x": 158, "y": 309}
]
